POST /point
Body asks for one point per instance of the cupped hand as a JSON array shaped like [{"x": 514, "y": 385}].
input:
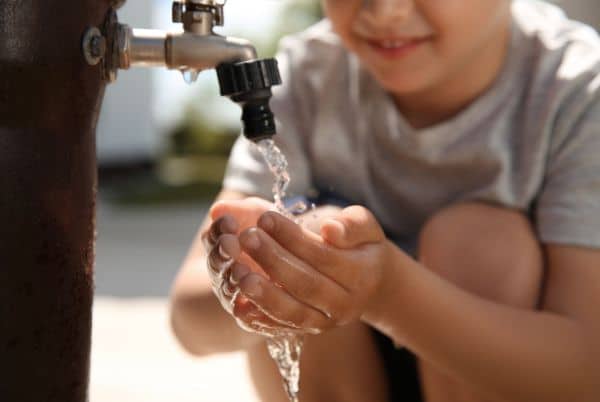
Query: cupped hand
[
  {"x": 227, "y": 263},
  {"x": 315, "y": 281}
]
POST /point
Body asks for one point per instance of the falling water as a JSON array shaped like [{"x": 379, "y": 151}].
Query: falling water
[
  {"x": 190, "y": 76},
  {"x": 284, "y": 347}
]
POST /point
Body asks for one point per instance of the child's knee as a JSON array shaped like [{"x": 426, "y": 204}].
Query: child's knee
[{"x": 490, "y": 251}]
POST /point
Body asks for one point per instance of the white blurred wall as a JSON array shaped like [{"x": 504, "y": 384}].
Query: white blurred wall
[{"x": 126, "y": 130}]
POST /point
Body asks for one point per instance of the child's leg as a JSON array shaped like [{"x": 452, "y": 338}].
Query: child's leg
[
  {"x": 342, "y": 365},
  {"x": 489, "y": 251}
]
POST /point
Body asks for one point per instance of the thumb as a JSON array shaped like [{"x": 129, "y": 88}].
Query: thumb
[
  {"x": 245, "y": 211},
  {"x": 353, "y": 227}
]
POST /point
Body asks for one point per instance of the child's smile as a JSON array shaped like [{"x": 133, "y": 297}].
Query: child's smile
[
  {"x": 422, "y": 51},
  {"x": 396, "y": 47}
]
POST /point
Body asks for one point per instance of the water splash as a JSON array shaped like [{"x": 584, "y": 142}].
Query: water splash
[{"x": 285, "y": 349}]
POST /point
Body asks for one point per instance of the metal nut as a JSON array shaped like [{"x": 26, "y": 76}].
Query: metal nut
[{"x": 123, "y": 44}]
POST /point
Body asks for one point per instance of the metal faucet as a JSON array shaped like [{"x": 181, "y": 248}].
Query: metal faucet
[{"x": 243, "y": 77}]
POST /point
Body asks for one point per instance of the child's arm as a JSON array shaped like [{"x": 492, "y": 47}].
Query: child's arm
[
  {"x": 197, "y": 318},
  {"x": 552, "y": 355},
  {"x": 201, "y": 322}
]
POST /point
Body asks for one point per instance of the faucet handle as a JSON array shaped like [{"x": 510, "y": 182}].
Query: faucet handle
[
  {"x": 177, "y": 12},
  {"x": 219, "y": 15},
  {"x": 180, "y": 8}
]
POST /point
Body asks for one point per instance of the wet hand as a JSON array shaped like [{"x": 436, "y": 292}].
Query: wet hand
[
  {"x": 315, "y": 281},
  {"x": 222, "y": 246},
  {"x": 227, "y": 263}
]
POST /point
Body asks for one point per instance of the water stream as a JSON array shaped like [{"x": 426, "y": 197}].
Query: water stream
[{"x": 284, "y": 347}]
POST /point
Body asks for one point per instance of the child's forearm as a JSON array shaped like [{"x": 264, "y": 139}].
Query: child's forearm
[
  {"x": 198, "y": 320},
  {"x": 203, "y": 327},
  {"x": 515, "y": 354}
]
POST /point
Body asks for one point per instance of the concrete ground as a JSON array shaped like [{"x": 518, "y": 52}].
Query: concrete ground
[
  {"x": 134, "y": 355},
  {"x": 139, "y": 249}
]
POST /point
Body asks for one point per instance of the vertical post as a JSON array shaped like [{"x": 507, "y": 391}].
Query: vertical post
[{"x": 49, "y": 104}]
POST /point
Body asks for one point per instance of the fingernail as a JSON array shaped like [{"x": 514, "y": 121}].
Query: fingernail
[
  {"x": 228, "y": 226},
  {"x": 223, "y": 253},
  {"x": 267, "y": 223},
  {"x": 251, "y": 241},
  {"x": 229, "y": 289},
  {"x": 238, "y": 272},
  {"x": 252, "y": 289}
]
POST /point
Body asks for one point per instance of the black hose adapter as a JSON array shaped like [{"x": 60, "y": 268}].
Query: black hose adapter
[{"x": 249, "y": 84}]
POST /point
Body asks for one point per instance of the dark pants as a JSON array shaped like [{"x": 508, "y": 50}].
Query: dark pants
[{"x": 401, "y": 369}]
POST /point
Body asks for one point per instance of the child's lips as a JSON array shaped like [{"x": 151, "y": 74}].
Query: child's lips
[{"x": 396, "y": 47}]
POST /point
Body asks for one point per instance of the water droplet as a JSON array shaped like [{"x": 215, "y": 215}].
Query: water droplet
[{"x": 190, "y": 76}]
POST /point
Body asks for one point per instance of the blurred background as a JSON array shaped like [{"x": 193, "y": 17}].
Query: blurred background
[{"x": 162, "y": 150}]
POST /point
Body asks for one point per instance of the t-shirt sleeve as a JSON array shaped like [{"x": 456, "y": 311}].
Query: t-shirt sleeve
[
  {"x": 246, "y": 170},
  {"x": 568, "y": 208}
]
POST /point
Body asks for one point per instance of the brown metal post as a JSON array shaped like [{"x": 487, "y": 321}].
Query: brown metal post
[{"x": 49, "y": 103}]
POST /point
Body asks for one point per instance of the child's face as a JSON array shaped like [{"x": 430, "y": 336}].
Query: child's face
[{"x": 417, "y": 45}]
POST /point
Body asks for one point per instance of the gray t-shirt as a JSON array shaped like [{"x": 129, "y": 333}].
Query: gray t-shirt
[{"x": 531, "y": 142}]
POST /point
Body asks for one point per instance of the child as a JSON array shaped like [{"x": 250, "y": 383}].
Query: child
[{"x": 466, "y": 134}]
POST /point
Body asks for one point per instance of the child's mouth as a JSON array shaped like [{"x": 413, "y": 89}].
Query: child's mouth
[{"x": 395, "y": 48}]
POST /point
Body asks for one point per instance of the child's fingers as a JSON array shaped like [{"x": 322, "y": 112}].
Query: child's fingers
[
  {"x": 353, "y": 227},
  {"x": 278, "y": 304},
  {"x": 226, "y": 287},
  {"x": 252, "y": 319},
  {"x": 247, "y": 314},
  {"x": 245, "y": 211},
  {"x": 223, "y": 225},
  {"x": 238, "y": 271},
  {"x": 302, "y": 281},
  {"x": 222, "y": 254},
  {"x": 308, "y": 247}
]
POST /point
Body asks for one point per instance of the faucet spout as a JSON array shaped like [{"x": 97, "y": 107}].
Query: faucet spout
[
  {"x": 182, "y": 51},
  {"x": 199, "y": 53}
]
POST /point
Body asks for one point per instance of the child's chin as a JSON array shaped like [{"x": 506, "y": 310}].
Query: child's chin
[
  {"x": 401, "y": 82},
  {"x": 402, "y": 86}
]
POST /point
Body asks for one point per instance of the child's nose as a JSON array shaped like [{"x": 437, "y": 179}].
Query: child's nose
[{"x": 388, "y": 10}]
